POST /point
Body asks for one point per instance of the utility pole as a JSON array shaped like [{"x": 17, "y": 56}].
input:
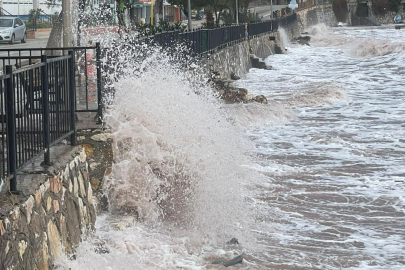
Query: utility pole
[
  {"x": 189, "y": 16},
  {"x": 237, "y": 13},
  {"x": 271, "y": 9},
  {"x": 66, "y": 21},
  {"x": 151, "y": 12}
]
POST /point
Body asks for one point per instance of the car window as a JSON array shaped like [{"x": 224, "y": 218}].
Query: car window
[
  {"x": 6, "y": 22},
  {"x": 19, "y": 22}
]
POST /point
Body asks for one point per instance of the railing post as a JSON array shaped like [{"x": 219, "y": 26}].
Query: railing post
[
  {"x": 45, "y": 109},
  {"x": 99, "y": 84},
  {"x": 204, "y": 41},
  {"x": 72, "y": 97},
  {"x": 11, "y": 130}
]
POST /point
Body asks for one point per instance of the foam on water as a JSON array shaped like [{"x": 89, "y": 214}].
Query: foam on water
[
  {"x": 358, "y": 41},
  {"x": 177, "y": 185},
  {"x": 334, "y": 194},
  {"x": 329, "y": 148}
]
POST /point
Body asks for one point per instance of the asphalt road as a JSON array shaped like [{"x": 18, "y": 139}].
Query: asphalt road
[
  {"x": 31, "y": 43},
  {"x": 265, "y": 11}
]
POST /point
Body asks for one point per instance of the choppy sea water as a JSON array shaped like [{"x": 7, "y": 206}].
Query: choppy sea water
[{"x": 313, "y": 180}]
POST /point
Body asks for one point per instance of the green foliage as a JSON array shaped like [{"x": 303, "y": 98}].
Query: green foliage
[
  {"x": 210, "y": 22},
  {"x": 380, "y": 7},
  {"x": 33, "y": 15},
  {"x": 340, "y": 10},
  {"x": 35, "y": 21},
  {"x": 162, "y": 26},
  {"x": 394, "y": 5},
  {"x": 248, "y": 17},
  {"x": 228, "y": 18}
]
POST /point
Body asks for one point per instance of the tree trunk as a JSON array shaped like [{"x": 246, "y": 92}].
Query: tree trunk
[
  {"x": 55, "y": 37},
  {"x": 158, "y": 11}
]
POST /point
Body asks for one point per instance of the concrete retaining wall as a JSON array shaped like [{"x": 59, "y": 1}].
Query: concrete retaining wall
[{"x": 236, "y": 59}]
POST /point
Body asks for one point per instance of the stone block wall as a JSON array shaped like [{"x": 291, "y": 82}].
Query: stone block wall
[
  {"x": 236, "y": 59},
  {"x": 231, "y": 60},
  {"x": 316, "y": 14},
  {"x": 49, "y": 217}
]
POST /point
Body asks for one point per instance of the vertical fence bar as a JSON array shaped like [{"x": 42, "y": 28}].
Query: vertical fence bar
[
  {"x": 11, "y": 130},
  {"x": 45, "y": 110},
  {"x": 99, "y": 84},
  {"x": 72, "y": 95}
]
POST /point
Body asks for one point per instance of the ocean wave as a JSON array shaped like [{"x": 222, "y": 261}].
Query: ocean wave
[
  {"x": 317, "y": 94},
  {"x": 355, "y": 46}
]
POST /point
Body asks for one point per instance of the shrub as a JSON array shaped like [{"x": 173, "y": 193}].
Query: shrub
[
  {"x": 380, "y": 7},
  {"x": 210, "y": 19},
  {"x": 394, "y": 5}
]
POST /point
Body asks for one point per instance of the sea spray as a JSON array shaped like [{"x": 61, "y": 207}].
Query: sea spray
[
  {"x": 285, "y": 41},
  {"x": 177, "y": 158}
]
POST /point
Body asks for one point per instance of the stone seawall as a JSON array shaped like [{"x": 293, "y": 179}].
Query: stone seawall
[
  {"x": 49, "y": 216},
  {"x": 237, "y": 59}
]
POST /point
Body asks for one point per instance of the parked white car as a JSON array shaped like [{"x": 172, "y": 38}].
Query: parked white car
[{"x": 12, "y": 29}]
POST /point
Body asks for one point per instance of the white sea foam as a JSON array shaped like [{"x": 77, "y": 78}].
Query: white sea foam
[
  {"x": 179, "y": 170},
  {"x": 334, "y": 193},
  {"x": 359, "y": 42},
  {"x": 329, "y": 146}
]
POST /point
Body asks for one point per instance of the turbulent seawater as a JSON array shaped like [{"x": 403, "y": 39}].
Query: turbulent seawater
[{"x": 313, "y": 180}]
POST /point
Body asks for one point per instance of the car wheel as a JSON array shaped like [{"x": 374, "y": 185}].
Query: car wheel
[
  {"x": 12, "y": 39},
  {"x": 24, "y": 38}
]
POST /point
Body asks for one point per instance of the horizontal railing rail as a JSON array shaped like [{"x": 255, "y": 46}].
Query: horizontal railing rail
[
  {"x": 37, "y": 111},
  {"x": 203, "y": 41}
]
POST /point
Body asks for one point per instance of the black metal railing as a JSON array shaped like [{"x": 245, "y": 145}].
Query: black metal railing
[
  {"x": 88, "y": 71},
  {"x": 38, "y": 110},
  {"x": 287, "y": 20},
  {"x": 256, "y": 29},
  {"x": 202, "y": 41}
]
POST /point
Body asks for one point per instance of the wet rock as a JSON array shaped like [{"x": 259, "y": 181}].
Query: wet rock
[
  {"x": 242, "y": 91},
  {"x": 303, "y": 40},
  {"x": 2, "y": 229},
  {"x": 257, "y": 62},
  {"x": 261, "y": 99},
  {"x": 234, "y": 261},
  {"x": 358, "y": 244},
  {"x": 102, "y": 137},
  {"x": 88, "y": 149},
  {"x": 249, "y": 97},
  {"x": 234, "y": 77},
  {"x": 233, "y": 241},
  {"x": 231, "y": 97},
  {"x": 95, "y": 184}
]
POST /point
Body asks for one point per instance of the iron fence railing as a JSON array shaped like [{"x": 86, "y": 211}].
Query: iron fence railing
[
  {"x": 37, "y": 111},
  {"x": 259, "y": 28},
  {"x": 287, "y": 20},
  {"x": 207, "y": 40},
  {"x": 88, "y": 70}
]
